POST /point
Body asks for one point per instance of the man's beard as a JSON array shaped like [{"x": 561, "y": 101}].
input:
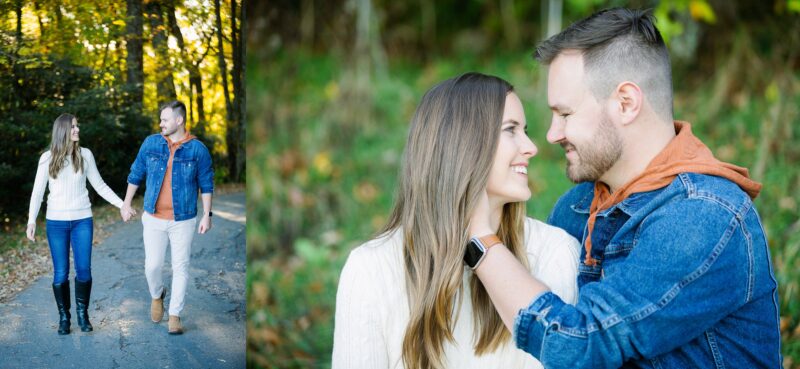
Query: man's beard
[{"x": 597, "y": 156}]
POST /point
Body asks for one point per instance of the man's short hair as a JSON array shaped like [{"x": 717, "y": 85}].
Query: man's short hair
[
  {"x": 178, "y": 109},
  {"x": 618, "y": 45}
]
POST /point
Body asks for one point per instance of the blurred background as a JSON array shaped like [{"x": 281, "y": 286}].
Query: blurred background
[
  {"x": 111, "y": 64},
  {"x": 333, "y": 84}
]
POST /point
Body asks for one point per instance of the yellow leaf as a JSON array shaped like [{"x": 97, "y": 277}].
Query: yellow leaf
[
  {"x": 322, "y": 163},
  {"x": 700, "y": 10},
  {"x": 332, "y": 90},
  {"x": 772, "y": 93},
  {"x": 119, "y": 22}
]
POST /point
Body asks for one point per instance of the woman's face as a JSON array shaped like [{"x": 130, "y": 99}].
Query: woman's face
[
  {"x": 508, "y": 178},
  {"x": 73, "y": 133}
]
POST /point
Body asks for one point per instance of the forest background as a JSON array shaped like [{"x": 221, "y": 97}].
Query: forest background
[
  {"x": 335, "y": 84},
  {"x": 112, "y": 64}
]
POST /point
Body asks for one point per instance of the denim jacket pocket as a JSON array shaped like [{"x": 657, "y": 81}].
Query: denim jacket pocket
[
  {"x": 188, "y": 170},
  {"x": 153, "y": 162}
]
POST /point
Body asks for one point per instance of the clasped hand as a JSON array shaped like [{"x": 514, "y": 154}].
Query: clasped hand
[{"x": 126, "y": 211}]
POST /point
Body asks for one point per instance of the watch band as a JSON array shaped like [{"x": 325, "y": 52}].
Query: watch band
[{"x": 490, "y": 240}]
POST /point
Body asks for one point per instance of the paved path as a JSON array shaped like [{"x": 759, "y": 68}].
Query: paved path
[{"x": 123, "y": 336}]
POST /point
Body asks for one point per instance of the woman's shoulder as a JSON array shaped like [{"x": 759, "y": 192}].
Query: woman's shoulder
[
  {"x": 381, "y": 249},
  {"x": 378, "y": 258},
  {"x": 45, "y": 157},
  {"x": 86, "y": 153}
]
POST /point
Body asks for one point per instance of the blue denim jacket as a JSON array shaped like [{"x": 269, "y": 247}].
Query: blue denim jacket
[
  {"x": 684, "y": 280},
  {"x": 191, "y": 168}
]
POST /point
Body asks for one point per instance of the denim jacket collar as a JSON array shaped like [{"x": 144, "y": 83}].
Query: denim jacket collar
[{"x": 629, "y": 206}]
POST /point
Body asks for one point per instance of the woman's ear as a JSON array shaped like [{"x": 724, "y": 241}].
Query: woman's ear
[{"x": 628, "y": 99}]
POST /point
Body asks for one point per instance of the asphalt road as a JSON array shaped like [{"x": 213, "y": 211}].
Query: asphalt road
[{"x": 123, "y": 336}]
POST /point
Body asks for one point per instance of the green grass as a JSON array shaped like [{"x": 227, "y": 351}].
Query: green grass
[{"x": 323, "y": 158}]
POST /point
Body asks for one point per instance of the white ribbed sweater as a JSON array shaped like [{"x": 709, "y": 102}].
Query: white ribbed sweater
[
  {"x": 69, "y": 197},
  {"x": 372, "y": 307}
]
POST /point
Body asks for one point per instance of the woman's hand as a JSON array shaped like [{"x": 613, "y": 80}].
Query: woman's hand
[
  {"x": 479, "y": 224},
  {"x": 126, "y": 211},
  {"x": 31, "y": 231}
]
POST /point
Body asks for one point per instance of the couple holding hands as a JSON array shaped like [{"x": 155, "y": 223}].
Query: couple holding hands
[
  {"x": 173, "y": 164},
  {"x": 657, "y": 258}
]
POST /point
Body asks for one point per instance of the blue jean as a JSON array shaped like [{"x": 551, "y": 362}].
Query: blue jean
[{"x": 78, "y": 233}]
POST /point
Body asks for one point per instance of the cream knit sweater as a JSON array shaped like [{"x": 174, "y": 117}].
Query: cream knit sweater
[
  {"x": 372, "y": 308},
  {"x": 69, "y": 197}
]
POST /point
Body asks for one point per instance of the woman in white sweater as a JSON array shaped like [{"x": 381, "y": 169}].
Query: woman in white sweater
[
  {"x": 64, "y": 169},
  {"x": 406, "y": 299}
]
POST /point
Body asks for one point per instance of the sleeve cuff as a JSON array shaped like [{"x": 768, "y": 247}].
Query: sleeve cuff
[{"x": 531, "y": 324}]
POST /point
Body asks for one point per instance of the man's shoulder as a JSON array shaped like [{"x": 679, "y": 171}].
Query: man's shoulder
[
  {"x": 152, "y": 139},
  {"x": 714, "y": 191},
  {"x": 196, "y": 144}
]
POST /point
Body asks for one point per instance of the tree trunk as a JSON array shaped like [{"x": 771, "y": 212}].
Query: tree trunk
[
  {"x": 510, "y": 24},
  {"x": 165, "y": 86},
  {"x": 231, "y": 140},
  {"x": 17, "y": 69},
  {"x": 238, "y": 87},
  {"x": 133, "y": 45},
  {"x": 37, "y": 8},
  {"x": 192, "y": 66},
  {"x": 428, "y": 16},
  {"x": 554, "y": 16},
  {"x": 18, "y": 33}
]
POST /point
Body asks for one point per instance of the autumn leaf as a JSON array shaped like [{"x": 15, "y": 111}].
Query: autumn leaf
[{"x": 700, "y": 10}]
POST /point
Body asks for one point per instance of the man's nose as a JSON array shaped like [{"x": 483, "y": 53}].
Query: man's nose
[{"x": 556, "y": 132}]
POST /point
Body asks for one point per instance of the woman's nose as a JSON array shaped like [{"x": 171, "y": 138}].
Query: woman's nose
[{"x": 529, "y": 148}]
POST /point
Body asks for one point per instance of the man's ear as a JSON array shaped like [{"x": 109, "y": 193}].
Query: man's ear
[{"x": 628, "y": 101}]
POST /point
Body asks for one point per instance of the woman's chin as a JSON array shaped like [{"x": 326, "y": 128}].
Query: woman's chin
[{"x": 510, "y": 199}]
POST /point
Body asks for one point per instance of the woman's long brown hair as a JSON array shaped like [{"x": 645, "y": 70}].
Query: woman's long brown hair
[
  {"x": 62, "y": 147},
  {"x": 450, "y": 150}
]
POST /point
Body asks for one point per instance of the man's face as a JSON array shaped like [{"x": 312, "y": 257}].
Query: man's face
[
  {"x": 580, "y": 124},
  {"x": 169, "y": 122}
]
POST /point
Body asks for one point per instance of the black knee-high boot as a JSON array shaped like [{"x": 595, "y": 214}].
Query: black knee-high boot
[
  {"x": 61, "y": 292},
  {"x": 82, "y": 292}
]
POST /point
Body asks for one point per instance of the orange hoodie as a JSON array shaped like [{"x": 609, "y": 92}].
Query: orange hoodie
[
  {"x": 684, "y": 154},
  {"x": 164, "y": 209}
]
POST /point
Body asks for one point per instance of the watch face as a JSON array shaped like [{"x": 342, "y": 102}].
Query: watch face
[{"x": 474, "y": 253}]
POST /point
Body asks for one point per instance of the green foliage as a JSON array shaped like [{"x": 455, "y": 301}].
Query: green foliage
[
  {"x": 296, "y": 332},
  {"x": 38, "y": 91}
]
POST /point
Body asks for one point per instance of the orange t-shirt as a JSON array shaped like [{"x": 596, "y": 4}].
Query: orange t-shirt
[{"x": 164, "y": 209}]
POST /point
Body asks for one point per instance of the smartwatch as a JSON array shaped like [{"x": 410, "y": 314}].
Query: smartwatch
[{"x": 477, "y": 249}]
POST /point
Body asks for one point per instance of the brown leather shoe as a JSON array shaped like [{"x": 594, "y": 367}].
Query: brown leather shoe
[
  {"x": 157, "y": 307},
  {"x": 175, "y": 326}
]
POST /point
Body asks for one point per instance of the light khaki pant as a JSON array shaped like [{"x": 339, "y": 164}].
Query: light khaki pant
[{"x": 158, "y": 233}]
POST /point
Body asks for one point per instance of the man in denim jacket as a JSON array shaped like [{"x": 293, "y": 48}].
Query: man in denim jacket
[
  {"x": 175, "y": 164},
  {"x": 675, "y": 269}
]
